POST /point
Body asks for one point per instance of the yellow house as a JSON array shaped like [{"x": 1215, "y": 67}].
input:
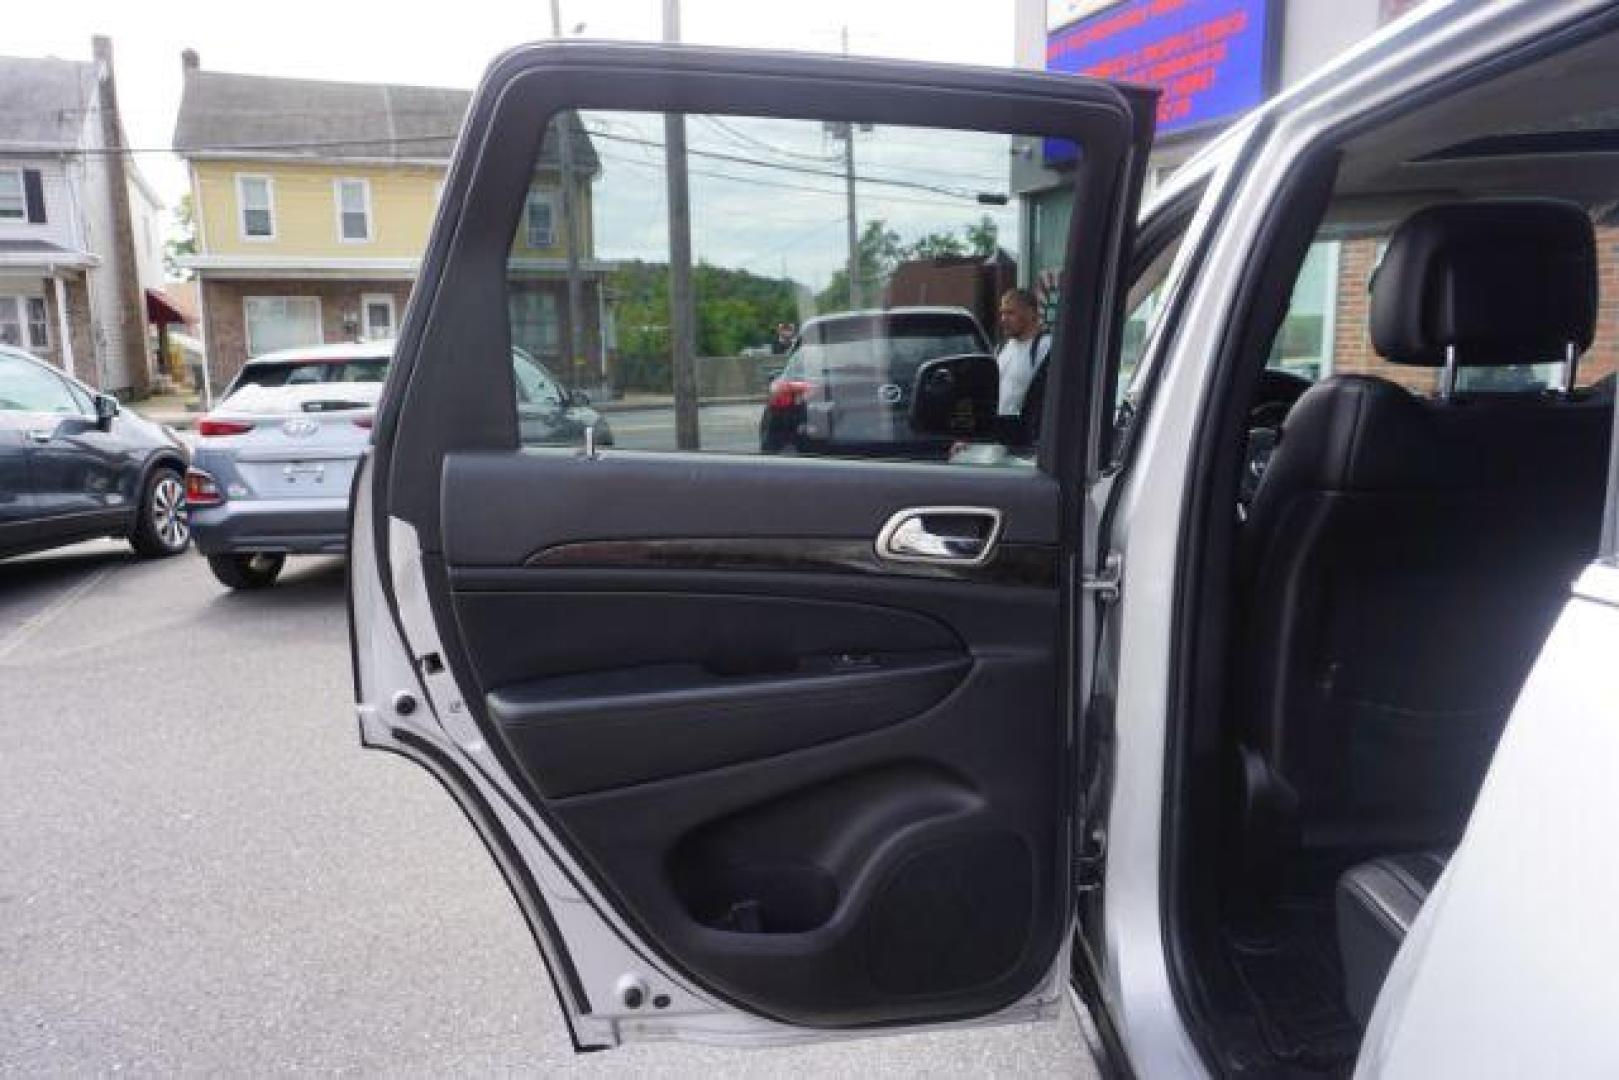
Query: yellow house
[{"x": 313, "y": 202}]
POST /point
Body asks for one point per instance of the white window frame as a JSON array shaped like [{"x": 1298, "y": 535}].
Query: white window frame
[
  {"x": 18, "y": 303},
  {"x": 366, "y": 300},
  {"x": 365, "y": 195},
  {"x": 242, "y": 180},
  {"x": 552, "y": 199},
  {"x": 247, "y": 323},
  {"x": 22, "y": 196}
]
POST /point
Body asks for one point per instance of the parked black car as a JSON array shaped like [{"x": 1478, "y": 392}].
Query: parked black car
[
  {"x": 846, "y": 389},
  {"x": 75, "y": 466}
]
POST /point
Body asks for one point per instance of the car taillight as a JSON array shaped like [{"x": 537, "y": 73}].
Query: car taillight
[
  {"x": 202, "y": 489},
  {"x": 210, "y": 428},
  {"x": 785, "y": 393},
  {"x": 364, "y": 422}
]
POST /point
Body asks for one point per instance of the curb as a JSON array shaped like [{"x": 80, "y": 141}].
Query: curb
[
  {"x": 184, "y": 421},
  {"x": 607, "y": 407}
]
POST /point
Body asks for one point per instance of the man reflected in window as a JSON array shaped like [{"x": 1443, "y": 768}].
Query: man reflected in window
[{"x": 1022, "y": 360}]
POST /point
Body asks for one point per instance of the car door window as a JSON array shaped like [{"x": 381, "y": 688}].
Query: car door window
[
  {"x": 26, "y": 387},
  {"x": 537, "y": 391},
  {"x": 880, "y": 248}
]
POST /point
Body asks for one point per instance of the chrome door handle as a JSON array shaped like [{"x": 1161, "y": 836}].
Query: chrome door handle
[
  {"x": 41, "y": 435},
  {"x": 956, "y": 535}
]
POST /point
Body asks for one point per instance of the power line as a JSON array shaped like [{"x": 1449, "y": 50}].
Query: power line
[
  {"x": 751, "y": 142},
  {"x": 412, "y": 140},
  {"x": 914, "y": 185},
  {"x": 932, "y": 201},
  {"x": 743, "y": 139}
]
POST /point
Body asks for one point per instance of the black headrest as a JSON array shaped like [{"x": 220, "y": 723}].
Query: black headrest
[{"x": 1506, "y": 281}]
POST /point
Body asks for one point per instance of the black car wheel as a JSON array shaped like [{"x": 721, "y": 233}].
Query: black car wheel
[
  {"x": 162, "y": 524},
  {"x": 246, "y": 571}
]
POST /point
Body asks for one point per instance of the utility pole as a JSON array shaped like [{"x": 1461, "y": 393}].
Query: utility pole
[
  {"x": 856, "y": 286},
  {"x": 682, "y": 331},
  {"x": 575, "y": 336}
]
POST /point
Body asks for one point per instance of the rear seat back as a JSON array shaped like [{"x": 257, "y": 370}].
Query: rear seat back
[{"x": 1405, "y": 557}]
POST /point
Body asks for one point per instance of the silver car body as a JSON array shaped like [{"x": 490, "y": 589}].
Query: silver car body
[{"x": 286, "y": 478}]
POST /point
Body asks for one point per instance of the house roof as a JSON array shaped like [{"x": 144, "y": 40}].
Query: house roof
[
  {"x": 257, "y": 116},
  {"x": 40, "y": 254},
  {"x": 43, "y": 103}
]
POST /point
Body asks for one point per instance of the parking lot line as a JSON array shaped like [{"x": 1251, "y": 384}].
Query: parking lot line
[{"x": 14, "y": 640}]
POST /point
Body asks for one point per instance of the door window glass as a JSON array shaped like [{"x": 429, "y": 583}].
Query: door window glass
[
  {"x": 536, "y": 388},
  {"x": 831, "y": 267},
  {"x": 39, "y": 327},
  {"x": 1304, "y": 344},
  {"x": 26, "y": 387},
  {"x": 377, "y": 317}
]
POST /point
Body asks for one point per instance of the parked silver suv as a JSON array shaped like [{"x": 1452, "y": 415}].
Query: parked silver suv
[{"x": 273, "y": 463}]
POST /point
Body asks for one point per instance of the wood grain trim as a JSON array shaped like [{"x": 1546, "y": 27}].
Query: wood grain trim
[{"x": 1028, "y": 565}]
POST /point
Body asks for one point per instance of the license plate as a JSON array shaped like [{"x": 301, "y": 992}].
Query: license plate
[{"x": 304, "y": 472}]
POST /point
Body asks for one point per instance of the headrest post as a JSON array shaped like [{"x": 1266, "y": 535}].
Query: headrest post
[
  {"x": 1571, "y": 364},
  {"x": 1447, "y": 376}
]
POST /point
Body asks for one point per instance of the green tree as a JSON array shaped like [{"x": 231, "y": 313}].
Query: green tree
[
  {"x": 182, "y": 239},
  {"x": 734, "y": 309},
  {"x": 937, "y": 245},
  {"x": 880, "y": 251},
  {"x": 984, "y": 237}
]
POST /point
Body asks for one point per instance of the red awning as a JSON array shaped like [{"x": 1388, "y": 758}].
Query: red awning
[{"x": 162, "y": 308}]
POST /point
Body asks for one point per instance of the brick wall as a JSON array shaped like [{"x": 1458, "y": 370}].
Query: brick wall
[
  {"x": 1352, "y": 346},
  {"x": 225, "y": 320},
  {"x": 78, "y": 320}
]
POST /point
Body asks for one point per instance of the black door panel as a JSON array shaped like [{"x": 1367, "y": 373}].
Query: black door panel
[
  {"x": 504, "y": 509},
  {"x": 833, "y": 790},
  {"x": 571, "y": 731},
  {"x": 862, "y": 880},
  {"x": 546, "y": 624}
]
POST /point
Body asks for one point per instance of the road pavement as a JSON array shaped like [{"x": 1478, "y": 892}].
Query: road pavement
[
  {"x": 201, "y": 872},
  {"x": 731, "y": 428}
]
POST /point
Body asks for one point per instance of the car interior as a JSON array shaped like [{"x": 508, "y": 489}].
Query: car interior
[{"x": 1412, "y": 505}]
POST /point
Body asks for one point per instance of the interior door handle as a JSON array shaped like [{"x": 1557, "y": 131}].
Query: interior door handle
[{"x": 956, "y": 535}]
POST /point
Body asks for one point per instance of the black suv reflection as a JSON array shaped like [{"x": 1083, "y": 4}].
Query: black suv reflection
[
  {"x": 846, "y": 389},
  {"x": 74, "y": 466}
]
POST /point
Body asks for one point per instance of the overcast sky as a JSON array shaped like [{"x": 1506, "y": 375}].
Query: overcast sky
[{"x": 449, "y": 45}]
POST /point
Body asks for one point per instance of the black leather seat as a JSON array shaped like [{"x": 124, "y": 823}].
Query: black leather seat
[
  {"x": 1376, "y": 905},
  {"x": 1404, "y": 557}
]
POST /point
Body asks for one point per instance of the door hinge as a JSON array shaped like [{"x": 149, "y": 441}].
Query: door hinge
[{"x": 1104, "y": 584}]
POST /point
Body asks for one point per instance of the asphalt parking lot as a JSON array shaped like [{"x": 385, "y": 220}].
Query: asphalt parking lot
[{"x": 201, "y": 872}]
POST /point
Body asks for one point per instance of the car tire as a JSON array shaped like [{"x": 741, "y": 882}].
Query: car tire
[
  {"x": 162, "y": 523},
  {"x": 257, "y": 571}
]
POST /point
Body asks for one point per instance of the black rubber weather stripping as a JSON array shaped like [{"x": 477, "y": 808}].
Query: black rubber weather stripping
[{"x": 487, "y": 826}]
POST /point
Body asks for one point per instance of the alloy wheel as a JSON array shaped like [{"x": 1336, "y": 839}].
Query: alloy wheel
[{"x": 170, "y": 519}]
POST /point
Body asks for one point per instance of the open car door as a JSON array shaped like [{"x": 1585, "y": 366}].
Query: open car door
[{"x": 767, "y": 747}]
